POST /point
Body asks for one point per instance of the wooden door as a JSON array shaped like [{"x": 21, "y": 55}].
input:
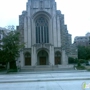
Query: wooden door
[
  {"x": 27, "y": 61},
  {"x": 57, "y": 60},
  {"x": 42, "y": 60}
]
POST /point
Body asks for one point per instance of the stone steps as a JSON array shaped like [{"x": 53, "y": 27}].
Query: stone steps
[{"x": 46, "y": 68}]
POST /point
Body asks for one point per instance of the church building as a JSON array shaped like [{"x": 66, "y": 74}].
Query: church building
[{"x": 45, "y": 35}]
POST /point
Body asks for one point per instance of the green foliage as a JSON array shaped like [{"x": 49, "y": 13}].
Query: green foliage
[
  {"x": 13, "y": 65},
  {"x": 12, "y": 70},
  {"x": 2, "y": 56},
  {"x": 11, "y": 47},
  {"x": 80, "y": 67},
  {"x": 78, "y": 63},
  {"x": 2, "y": 68},
  {"x": 83, "y": 52},
  {"x": 88, "y": 69},
  {"x": 71, "y": 60}
]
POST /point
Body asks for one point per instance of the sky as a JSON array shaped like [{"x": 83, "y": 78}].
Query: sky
[{"x": 76, "y": 13}]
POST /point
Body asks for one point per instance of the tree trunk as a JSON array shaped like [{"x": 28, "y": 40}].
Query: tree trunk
[{"x": 8, "y": 66}]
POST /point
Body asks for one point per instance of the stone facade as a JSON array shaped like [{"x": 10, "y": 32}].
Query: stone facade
[
  {"x": 56, "y": 51},
  {"x": 82, "y": 40}
]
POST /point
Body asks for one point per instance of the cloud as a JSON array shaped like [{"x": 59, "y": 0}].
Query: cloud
[{"x": 77, "y": 14}]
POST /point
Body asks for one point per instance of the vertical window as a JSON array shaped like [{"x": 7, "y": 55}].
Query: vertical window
[{"x": 42, "y": 34}]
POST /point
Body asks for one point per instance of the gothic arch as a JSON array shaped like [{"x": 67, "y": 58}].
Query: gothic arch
[
  {"x": 45, "y": 49},
  {"x": 43, "y": 13},
  {"x": 41, "y": 33},
  {"x": 42, "y": 57}
]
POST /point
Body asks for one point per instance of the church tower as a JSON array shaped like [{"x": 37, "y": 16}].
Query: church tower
[{"x": 45, "y": 35}]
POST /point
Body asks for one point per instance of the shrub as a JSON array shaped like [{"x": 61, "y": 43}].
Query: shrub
[
  {"x": 88, "y": 69},
  {"x": 80, "y": 67},
  {"x": 71, "y": 60},
  {"x": 2, "y": 68},
  {"x": 12, "y": 70}
]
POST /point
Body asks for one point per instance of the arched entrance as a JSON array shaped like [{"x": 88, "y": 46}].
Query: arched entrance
[
  {"x": 27, "y": 58},
  {"x": 57, "y": 58},
  {"x": 42, "y": 58}
]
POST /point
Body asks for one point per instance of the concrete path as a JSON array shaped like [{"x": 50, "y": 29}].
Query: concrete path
[
  {"x": 44, "y": 76},
  {"x": 61, "y": 80},
  {"x": 55, "y": 85}
]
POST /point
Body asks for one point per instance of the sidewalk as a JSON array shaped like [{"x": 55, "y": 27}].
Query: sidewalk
[
  {"x": 44, "y": 76},
  {"x": 38, "y": 72}
]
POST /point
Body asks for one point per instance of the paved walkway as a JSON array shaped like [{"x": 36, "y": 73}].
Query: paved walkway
[
  {"x": 61, "y": 80},
  {"x": 55, "y": 85},
  {"x": 44, "y": 76}
]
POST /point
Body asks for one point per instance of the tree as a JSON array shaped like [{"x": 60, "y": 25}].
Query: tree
[
  {"x": 84, "y": 52},
  {"x": 2, "y": 56},
  {"x": 81, "y": 52},
  {"x": 88, "y": 53},
  {"x": 11, "y": 47}
]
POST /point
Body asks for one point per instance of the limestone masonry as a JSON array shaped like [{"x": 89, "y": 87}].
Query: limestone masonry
[{"x": 42, "y": 28}]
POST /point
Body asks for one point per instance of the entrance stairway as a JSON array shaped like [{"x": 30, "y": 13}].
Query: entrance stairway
[{"x": 47, "y": 68}]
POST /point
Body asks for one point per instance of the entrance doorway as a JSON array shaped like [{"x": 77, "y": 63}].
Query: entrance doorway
[
  {"x": 27, "y": 58},
  {"x": 42, "y": 58},
  {"x": 57, "y": 58}
]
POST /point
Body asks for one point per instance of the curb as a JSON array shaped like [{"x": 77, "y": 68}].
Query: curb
[
  {"x": 40, "y": 72},
  {"x": 43, "y": 80}
]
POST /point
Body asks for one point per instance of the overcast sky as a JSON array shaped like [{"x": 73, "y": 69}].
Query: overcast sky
[{"x": 77, "y": 14}]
